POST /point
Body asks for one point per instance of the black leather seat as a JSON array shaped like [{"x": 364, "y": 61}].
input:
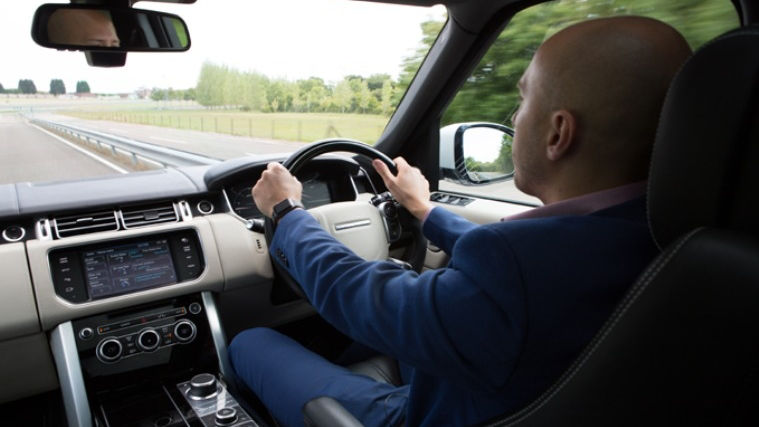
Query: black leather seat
[
  {"x": 682, "y": 348},
  {"x": 381, "y": 368},
  {"x": 325, "y": 411}
]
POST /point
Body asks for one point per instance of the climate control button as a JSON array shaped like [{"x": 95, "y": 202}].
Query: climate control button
[
  {"x": 184, "y": 331},
  {"x": 148, "y": 340},
  {"x": 109, "y": 350}
]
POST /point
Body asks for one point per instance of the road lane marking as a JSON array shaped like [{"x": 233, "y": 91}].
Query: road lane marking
[
  {"x": 85, "y": 152},
  {"x": 168, "y": 139}
]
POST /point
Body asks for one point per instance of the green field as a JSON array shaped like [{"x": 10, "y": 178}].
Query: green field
[{"x": 306, "y": 127}]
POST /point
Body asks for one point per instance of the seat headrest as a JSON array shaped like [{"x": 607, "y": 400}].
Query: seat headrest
[{"x": 705, "y": 161}]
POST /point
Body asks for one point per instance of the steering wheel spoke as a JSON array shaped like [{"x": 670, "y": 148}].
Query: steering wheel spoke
[
  {"x": 357, "y": 225},
  {"x": 366, "y": 227}
]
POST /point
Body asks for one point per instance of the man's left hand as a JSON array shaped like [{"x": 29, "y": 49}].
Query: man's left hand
[{"x": 276, "y": 184}]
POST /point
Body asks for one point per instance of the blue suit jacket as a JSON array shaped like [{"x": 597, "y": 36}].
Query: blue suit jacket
[{"x": 496, "y": 327}]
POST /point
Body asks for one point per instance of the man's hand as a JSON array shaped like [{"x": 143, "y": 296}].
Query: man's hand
[
  {"x": 409, "y": 187},
  {"x": 276, "y": 184}
]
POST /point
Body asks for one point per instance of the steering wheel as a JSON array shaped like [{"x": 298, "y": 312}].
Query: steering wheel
[{"x": 367, "y": 228}]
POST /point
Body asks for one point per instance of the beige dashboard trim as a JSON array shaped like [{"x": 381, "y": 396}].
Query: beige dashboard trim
[
  {"x": 483, "y": 211},
  {"x": 26, "y": 367},
  {"x": 18, "y": 312},
  {"x": 480, "y": 211},
  {"x": 244, "y": 254},
  {"x": 54, "y": 310}
]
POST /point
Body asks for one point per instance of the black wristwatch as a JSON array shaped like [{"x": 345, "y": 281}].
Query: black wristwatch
[{"x": 282, "y": 208}]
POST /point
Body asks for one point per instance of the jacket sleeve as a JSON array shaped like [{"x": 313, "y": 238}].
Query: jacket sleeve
[
  {"x": 443, "y": 228},
  {"x": 440, "y": 321}
]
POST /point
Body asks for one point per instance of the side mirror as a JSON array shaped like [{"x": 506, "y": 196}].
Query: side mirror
[
  {"x": 476, "y": 153},
  {"x": 108, "y": 29}
]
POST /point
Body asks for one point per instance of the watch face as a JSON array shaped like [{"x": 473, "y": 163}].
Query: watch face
[{"x": 284, "y": 207}]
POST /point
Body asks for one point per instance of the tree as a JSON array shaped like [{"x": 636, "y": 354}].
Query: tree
[
  {"x": 26, "y": 86},
  {"x": 363, "y": 97},
  {"x": 2, "y": 89},
  {"x": 189, "y": 94},
  {"x": 210, "y": 83},
  {"x": 430, "y": 30},
  {"x": 158, "y": 94},
  {"x": 82, "y": 87},
  {"x": 490, "y": 92},
  {"x": 386, "y": 98},
  {"x": 57, "y": 87},
  {"x": 343, "y": 96},
  {"x": 375, "y": 81}
]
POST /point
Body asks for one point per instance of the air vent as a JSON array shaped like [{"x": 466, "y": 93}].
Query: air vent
[
  {"x": 73, "y": 225},
  {"x": 140, "y": 216}
]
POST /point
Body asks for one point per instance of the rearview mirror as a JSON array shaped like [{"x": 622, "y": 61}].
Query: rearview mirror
[
  {"x": 110, "y": 29},
  {"x": 476, "y": 153}
]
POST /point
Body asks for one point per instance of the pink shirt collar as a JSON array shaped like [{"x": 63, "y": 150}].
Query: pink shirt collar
[{"x": 585, "y": 204}]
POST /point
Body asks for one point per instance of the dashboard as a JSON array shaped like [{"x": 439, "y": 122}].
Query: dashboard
[
  {"x": 316, "y": 192},
  {"x": 112, "y": 242}
]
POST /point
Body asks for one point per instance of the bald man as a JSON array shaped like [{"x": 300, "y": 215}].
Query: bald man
[
  {"x": 519, "y": 299},
  {"x": 82, "y": 27}
]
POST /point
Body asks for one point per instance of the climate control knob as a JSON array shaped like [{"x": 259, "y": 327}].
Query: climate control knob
[
  {"x": 148, "y": 340},
  {"x": 184, "y": 331},
  {"x": 109, "y": 350}
]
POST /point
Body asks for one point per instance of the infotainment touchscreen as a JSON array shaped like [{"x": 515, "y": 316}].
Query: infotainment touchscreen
[{"x": 128, "y": 268}]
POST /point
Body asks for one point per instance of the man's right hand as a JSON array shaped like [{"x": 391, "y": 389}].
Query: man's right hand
[{"x": 410, "y": 188}]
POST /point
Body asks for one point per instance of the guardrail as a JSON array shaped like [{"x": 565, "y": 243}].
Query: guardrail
[{"x": 139, "y": 151}]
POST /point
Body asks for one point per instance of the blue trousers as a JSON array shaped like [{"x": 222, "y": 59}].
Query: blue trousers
[{"x": 285, "y": 376}]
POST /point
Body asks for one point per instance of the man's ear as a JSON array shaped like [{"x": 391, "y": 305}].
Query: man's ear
[{"x": 562, "y": 134}]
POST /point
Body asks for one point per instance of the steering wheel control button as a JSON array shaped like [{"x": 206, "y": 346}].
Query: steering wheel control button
[
  {"x": 195, "y": 308},
  {"x": 148, "y": 340},
  {"x": 109, "y": 350},
  {"x": 203, "y": 386},
  {"x": 184, "y": 331},
  {"x": 390, "y": 210},
  {"x": 86, "y": 333},
  {"x": 389, "y": 213},
  {"x": 226, "y": 416}
]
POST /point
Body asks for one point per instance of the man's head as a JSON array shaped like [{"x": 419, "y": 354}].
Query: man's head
[
  {"x": 82, "y": 27},
  {"x": 590, "y": 105}
]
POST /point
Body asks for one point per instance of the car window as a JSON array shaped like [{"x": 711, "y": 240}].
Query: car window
[
  {"x": 260, "y": 77},
  {"x": 490, "y": 93}
]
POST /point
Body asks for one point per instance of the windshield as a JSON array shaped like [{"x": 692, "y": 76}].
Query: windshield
[{"x": 260, "y": 77}]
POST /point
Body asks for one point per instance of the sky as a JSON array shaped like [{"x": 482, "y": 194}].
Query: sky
[{"x": 289, "y": 39}]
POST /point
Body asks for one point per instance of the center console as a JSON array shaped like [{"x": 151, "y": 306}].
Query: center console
[{"x": 160, "y": 364}]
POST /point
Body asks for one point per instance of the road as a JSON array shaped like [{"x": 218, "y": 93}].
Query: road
[{"x": 28, "y": 153}]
